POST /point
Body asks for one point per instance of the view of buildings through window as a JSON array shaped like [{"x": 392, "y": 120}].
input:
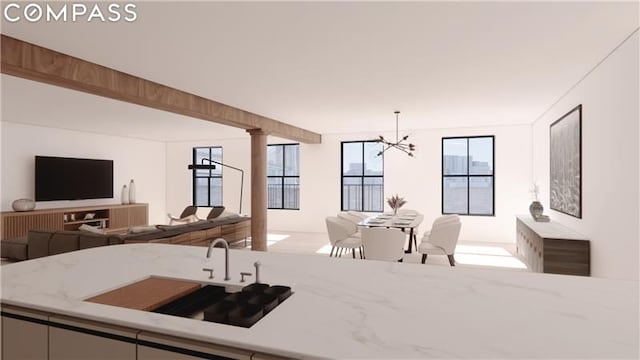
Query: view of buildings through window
[
  {"x": 362, "y": 176},
  {"x": 468, "y": 175},
  {"x": 283, "y": 176},
  {"x": 207, "y": 183}
]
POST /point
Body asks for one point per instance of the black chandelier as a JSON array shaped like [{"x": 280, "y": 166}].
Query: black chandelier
[{"x": 399, "y": 143}]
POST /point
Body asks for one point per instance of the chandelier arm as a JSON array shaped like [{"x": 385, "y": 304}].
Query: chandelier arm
[
  {"x": 387, "y": 148},
  {"x": 403, "y": 148},
  {"x": 407, "y": 148}
]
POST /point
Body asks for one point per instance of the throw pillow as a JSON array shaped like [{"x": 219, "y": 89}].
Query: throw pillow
[
  {"x": 226, "y": 214},
  {"x": 91, "y": 229},
  {"x": 141, "y": 229}
]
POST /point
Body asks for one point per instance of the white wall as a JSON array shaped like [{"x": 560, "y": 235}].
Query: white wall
[
  {"x": 417, "y": 179},
  {"x": 141, "y": 160},
  {"x": 610, "y": 215}
]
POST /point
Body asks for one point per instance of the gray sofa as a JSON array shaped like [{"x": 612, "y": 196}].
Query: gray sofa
[{"x": 39, "y": 243}]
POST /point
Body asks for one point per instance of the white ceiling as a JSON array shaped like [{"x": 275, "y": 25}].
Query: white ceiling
[
  {"x": 34, "y": 103},
  {"x": 334, "y": 67}
]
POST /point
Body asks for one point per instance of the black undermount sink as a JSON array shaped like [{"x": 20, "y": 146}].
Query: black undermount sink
[{"x": 214, "y": 303}]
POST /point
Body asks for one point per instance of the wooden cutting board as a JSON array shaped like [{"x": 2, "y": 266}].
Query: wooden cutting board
[{"x": 148, "y": 294}]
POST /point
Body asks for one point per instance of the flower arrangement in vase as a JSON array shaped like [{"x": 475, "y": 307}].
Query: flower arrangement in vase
[
  {"x": 534, "y": 190},
  {"x": 395, "y": 202}
]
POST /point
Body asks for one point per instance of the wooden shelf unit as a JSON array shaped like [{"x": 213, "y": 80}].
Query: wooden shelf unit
[
  {"x": 549, "y": 247},
  {"x": 114, "y": 216},
  {"x": 84, "y": 221}
]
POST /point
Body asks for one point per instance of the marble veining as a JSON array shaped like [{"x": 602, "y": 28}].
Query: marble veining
[{"x": 343, "y": 308}]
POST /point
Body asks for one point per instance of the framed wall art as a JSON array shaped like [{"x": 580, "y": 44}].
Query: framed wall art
[{"x": 566, "y": 163}]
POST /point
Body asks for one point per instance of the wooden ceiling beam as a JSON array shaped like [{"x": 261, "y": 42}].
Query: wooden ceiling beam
[{"x": 33, "y": 62}]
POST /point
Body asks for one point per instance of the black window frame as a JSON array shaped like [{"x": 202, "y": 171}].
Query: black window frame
[
  {"x": 209, "y": 177},
  {"x": 469, "y": 176},
  {"x": 362, "y": 177},
  {"x": 284, "y": 176}
]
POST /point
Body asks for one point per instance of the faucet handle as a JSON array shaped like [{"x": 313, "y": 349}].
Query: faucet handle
[
  {"x": 210, "y": 272},
  {"x": 257, "y": 264},
  {"x": 243, "y": 274}
]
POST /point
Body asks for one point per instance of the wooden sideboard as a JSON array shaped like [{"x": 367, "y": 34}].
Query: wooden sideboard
[
  {"x": 550, "y": 247},
  {"x": 110, "y": 217}
]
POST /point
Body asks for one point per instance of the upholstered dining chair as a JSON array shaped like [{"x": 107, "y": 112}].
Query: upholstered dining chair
[
  {"x": 358, "y": 214},
  {"x": 407, "y": 211},
  {"x": 341, "y": 238},
  {"x": 353, "y": 222},
  {"x": 442, "y": 238},
  {"x": 380, "y": 243}
]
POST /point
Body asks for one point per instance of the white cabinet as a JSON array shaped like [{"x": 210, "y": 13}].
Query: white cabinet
[
  {"x": 24, "y": 339},
  {"x": 87, "y": 340},
  {"x": 33, "y": 335},
  {"x": 149, "y": 353}
]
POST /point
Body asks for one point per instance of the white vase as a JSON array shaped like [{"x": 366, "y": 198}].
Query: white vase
[
  {"x": 132, "y": 192},
  {"x": 23, "y": 205},
  {"x": 124, "y": 197}
]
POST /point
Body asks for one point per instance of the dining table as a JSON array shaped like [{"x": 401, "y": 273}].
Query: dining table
[{"x": 409, "y": 221}]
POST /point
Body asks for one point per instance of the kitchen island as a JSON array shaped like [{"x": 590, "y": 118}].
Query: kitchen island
[{"x": 340, "y": 308}]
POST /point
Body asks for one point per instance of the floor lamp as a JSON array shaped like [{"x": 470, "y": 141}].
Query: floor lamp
[{"x": 212, "y": 167}]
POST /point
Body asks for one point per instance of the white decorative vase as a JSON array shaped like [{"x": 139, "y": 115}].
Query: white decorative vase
[
  {"x": 132, "y": 192},
  {"x": 124, "y": 197},
  {"x": 23, "y": 205}
]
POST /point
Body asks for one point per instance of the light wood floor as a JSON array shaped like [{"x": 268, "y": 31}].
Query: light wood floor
[{"x": 468, "y": 254}]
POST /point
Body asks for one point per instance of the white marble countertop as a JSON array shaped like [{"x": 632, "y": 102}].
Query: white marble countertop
[
  {"x": 551, "y": 229},
  {"x": 345, "y": 308}
]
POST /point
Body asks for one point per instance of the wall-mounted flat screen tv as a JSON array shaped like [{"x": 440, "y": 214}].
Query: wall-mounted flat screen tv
[{"x": 59, "y": 178}]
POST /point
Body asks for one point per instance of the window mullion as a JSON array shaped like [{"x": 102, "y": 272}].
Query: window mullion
[
  {"x": 210, "y": 177},
  {"x": 282, "y": 192},
  {"x": 468, "y": 181},
  {"x": 284, "y": 166},
  {"x": 362, "y": 179},
  {"x": 194, "y": 191}
]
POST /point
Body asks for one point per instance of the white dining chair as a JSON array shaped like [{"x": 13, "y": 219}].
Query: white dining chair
[
  {"x": 358, "y": 214},
  {"x": 442, "y": 238},
  {"x": 384, "y": 244},
  {"x": 353, "y": 223},
  {"x": 341, "y": 238},
  {"x": 407, "y": 212}
]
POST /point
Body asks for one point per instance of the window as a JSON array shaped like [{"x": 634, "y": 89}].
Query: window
[
  {"x": 207, "y": 183},
  {"x": 283, "y": 176},
  {"x": 468, "y": 175},
  {"x": 362, "y": 176}
]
